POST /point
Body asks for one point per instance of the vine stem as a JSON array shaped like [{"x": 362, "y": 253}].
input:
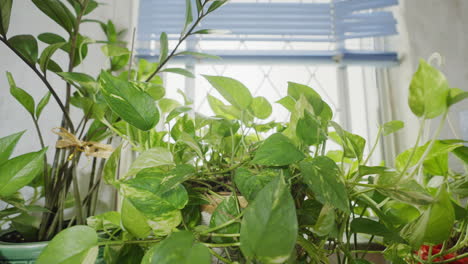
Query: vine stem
[
  {"x": 416, "y": 144},
  {"x": 44, "y": 80},
  {"x": 230, "y": 222},
  {"x": 181, "y": 40},
  {"x": 374, "y": 146},
  {"x": 210, "y": 245}
]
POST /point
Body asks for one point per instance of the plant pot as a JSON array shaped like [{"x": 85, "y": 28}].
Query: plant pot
[
  {"x": 27, "y": 253},
  {"x": 20, "y": 253}
]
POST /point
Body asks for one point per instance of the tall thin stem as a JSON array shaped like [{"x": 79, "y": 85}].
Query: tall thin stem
[{"x": 44, "y": 80}]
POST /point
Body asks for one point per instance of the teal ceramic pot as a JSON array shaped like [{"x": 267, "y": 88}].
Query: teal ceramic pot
[
  {"x": 27, "y": 253},
  {"x": 20, "y": 253}
]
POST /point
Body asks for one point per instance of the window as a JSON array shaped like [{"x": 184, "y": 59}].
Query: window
[{"x": 328, "y": 45}]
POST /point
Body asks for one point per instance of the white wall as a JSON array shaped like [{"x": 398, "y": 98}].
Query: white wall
[{"x": 428, "y": 26}]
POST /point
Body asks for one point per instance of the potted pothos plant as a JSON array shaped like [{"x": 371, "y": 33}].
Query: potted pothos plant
[
  {"x": 276, "y": 193},
  {"x": 40, "y": 195}
]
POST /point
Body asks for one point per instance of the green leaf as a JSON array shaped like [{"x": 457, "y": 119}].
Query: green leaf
[
  {"x": 309, "y": 130},
  {"x": 271, "y": 215},
  {"x": 188, "y": 14},
  {"x": 215, "y": 5},
  {"x": 250, "y": 183},
  {"x": 167, "y": 105},
  {"x": 260, "y": 107},
  {"x": 163, "y": 47},
  {"x": 19, "y": 171},
  {"x": 353, "y": 145},
  {"x": 134, "y": 221},
  {"x": 181, "y": 248},
  {"x": 176, "y": 112},
  {"x": 220, "y": 109},
  {"x": 151, "y": 158},
  {"x": 199, "y": 6},
  {"x": 191, "y": 142},
  {"x": 277, "y": 150},
  {"x": 456, "y": 95},
  {"x": 211, "y": 31},
  {"x": 392, "y": 127},
  {"x": 461, "y": 153},
  {"x": 227, "y": 210},
  {"x": 232, "y": 90},
  {"x": 105, "y": 221},
  {"x": 180, "y": 71},
  {"x": 399, "y": 212},
  {"x": 51, "y": 38},
  {"x": 26, "y": 45},
  {"x": 434, "y": 225},
  {"x": 159, "y": 196},
  {"x": 74, "y": 245},
  {"x": 296, "y": 90},
  {"x": 46, "y": 55},
  {"x": 199, "y": 55},
  {"x": 112, "y": 166},
  {"x": 81, "y": 79},
  {"x": 439, "y": 147},
  {"x": 127, "y": 101},
  {"x": 371, "y": 227},
  {"x": 409, "y": 192},
  {"x": 58, "y": 12},
  {"x": 322, "y": 175},
  {"x": 428, "y": 92},
  {"x": 21, "y": 95},
  {"x": 5, "y": 12},
  {"x": 42, "y": 103},
  {"x": 112, "y": 50},
  {"x": 8, "y": 144},
  {"x": 288, "y": 102},
  {"x": 325, "y": 221}
]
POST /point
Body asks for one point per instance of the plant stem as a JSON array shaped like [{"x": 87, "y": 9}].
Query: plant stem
[
  {"x": 181, "y": 40},
  {"x": 230, "y": 222},
  {"x": 44, "y": 80},
  {"x": 106, "y": 243},
  {"x": 416, "y": 144},
  {"x": 377, "y": 139},
  {"x": 224, "y": 260},
  {"x": 234, "y": 244}
]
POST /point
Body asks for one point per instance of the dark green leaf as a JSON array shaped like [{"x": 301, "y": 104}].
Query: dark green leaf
[
  {"x": 47, "y": 54},
  {"x": 277, "y": 150},
  {"x": 409, "y": 191},
  {"x": 271, "y": 215},
  {"x": 199, "y": 6},
  {"x": 42, "y": 103},
  {"x": 81, "y": 79},
  {"x": 428, "y": 92},
  {"x": 163, "y": 47},
  {"x": 51, "y": 38},
  {"x": 19, "y": 171},
  {"x": 461, "y": 153},
  {"x": 392, "y": 127},
  {"x": 227, "y": 210},
  {"x": 54, "y": 67},
  {"x": 232, "y": 90},
  {"x": 58, "y": 12},
  {"x": 325, "y": 222},
  {"x": 180, "y": 71},
  {"x": 21, "y": 95},
  {"x": 26, "y": 45},
  {"x": 127, "y": 101},
  {"x": 8, "y": 144},
  {"x": 5, "y": 12},
  {"x": 322, "y": 175},
  {"x": 216, "y": 4},
  {"x": 250, "y": 183},
  {"x": 434, "y": 225},
  {"x": 353, "y": 145},
  {"x": 296, "y": 90},
  {"x": 309, "y": 130},
  {"x": 91, "y": 6},
  {"x": 181, "y": 248},
  {"x": 75, "y": 245}
]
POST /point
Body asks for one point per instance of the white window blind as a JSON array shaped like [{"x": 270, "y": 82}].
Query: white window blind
[{"x": 321, "y": 31}]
